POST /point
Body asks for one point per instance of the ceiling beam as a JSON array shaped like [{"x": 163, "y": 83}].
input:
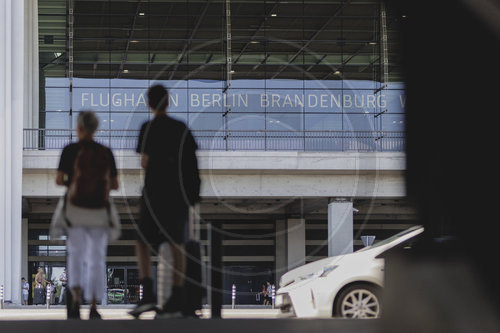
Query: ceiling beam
[
  {"x": 355, "y": 53},
  {"x": 101, "y": 24},
  {"x": 317, "y": 62},
  {"x": 129, "y": 37},
  {"x": 313, "y": 37},
  {"x": 252, "y": 38},
  {"x": 163, "y": 30},
  {"x": 262, "y": 62},
  {"x": 188, "y": 41}
]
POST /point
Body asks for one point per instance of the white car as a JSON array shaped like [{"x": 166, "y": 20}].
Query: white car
[{"x": 347, "y": 285}]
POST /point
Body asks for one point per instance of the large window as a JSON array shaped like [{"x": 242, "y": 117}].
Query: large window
[{"x": 271, "y": 73}]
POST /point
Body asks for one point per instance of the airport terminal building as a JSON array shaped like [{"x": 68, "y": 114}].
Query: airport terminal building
[{"x": 297, "y": 107}]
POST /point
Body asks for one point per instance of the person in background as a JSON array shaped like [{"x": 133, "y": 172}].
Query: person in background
[
  {"x": 40, "y": 278},
  {"x": 262, "y": 294},
  {"x": 63, "y": 278},
  {"x": 269, "y": 293},
  {"x": 52, "y": 286},
  {"x": 26, "y": 290}
]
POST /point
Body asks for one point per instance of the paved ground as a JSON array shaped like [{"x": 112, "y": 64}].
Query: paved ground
[
  {"x": 29, "y": 319},
  {"x": 40, "y": 312}
]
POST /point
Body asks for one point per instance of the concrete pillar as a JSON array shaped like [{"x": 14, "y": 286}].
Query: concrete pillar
[
  {"x": 11, "y": 145},
  {"x": 296, "y": 243},
  {"x": 281, "y": 251},
  {"x": 24, "y": 253},
  {"x": 31, "y": 63},
  {"x": 340, "y": 227}
]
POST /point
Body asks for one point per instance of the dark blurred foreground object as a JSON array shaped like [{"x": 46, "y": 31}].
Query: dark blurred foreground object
[
  {"x": 451, "y": 61},
  {"x": 437, "y": 294}
]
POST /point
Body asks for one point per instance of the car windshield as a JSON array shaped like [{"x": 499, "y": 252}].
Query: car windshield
[{"x": 390, "y": 239}]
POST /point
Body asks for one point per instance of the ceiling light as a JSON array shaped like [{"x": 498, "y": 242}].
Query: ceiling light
[
  {"x": 336, "y": 73},
  {"x": 372, "y": 43},
  {"x": 274, "y": 15},
  {"x": 134, "y": 41},
  {"x": 232, "y": 72},
  {"x": 125, "y": 71},
  {"x": 403, "y": 16},
  {"x": 142, "y": 14},
  {"x": 254, "y": 42}
]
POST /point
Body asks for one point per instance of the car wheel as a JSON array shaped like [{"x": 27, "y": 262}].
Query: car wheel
[{"x": 358, "y": 301}]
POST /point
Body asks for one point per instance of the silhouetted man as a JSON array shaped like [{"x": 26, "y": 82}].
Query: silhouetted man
[{"x": 171, "y": 186}]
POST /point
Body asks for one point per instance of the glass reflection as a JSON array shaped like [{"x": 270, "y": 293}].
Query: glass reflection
[{"x": 287, "y": 75}]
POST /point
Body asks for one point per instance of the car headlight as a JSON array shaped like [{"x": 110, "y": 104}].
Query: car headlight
[
  {"x": 327, "y": 270},
  {"x": 308, "y": 276}
]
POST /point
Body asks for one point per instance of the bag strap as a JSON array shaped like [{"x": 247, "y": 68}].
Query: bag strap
[{"x": 68, "y": 222}]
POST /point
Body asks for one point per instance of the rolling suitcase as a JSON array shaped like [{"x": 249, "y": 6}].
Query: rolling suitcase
[
  {"x": 194, "y": 289},
  {"x": 164, "y": 274},
  {"x": 38, "y": 296},
  {"x": 194, "y": 286}
]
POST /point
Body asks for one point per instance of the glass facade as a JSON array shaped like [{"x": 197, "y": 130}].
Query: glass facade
[
  {"x": 315, "y": 75},
  {"x": 291, "y": 75}
]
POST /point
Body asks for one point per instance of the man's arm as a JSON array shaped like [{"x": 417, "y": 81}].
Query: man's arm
[
  {"x": 190, "y": 173},
  {"x": 65, "y": 167},
  {"x": 114, "y": 183},
  {"x": 60, "y": 178},
  {"x": 144, "y": 160},
  {"x": 142, "y": 146}
]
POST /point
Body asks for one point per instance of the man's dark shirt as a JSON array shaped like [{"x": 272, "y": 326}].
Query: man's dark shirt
[
  {"x": 172, "y": 178},
  {"x": 70, "y": 152}
]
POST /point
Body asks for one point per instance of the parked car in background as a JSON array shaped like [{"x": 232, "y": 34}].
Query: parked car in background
[
  {"x": 346, "y": 286},
  {"x": 116, "y": 296}
]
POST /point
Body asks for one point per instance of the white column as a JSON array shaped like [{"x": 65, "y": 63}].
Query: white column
[
  {"x": 340, "y": 227},
  {"x": 24, "y": 253},
  {"x": 296, "y": 243},
  {"x": 11, "y": 145},
  {"x": 31, "y": 63},
  {"x": 281, "y": 252}
]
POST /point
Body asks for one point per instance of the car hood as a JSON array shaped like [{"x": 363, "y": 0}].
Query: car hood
[
  {"x": 299, "y": 273},
  {"x": 302, "y": 272}
]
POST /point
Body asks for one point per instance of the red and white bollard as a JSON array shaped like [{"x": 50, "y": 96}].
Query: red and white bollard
[
  {"x": 48, "y": 296},
  {"x": 233, "y": 296},
  {"x": 273, "y": 294},
  {"x": 1, "y": 296}
]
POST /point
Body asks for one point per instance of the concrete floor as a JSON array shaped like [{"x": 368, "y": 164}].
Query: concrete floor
[
  {"x": 40, "y": 312},
  {"x": 250, "y": 320}
]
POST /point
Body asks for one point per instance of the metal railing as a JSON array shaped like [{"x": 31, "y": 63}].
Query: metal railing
[{"x": 46, "y": 139}]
